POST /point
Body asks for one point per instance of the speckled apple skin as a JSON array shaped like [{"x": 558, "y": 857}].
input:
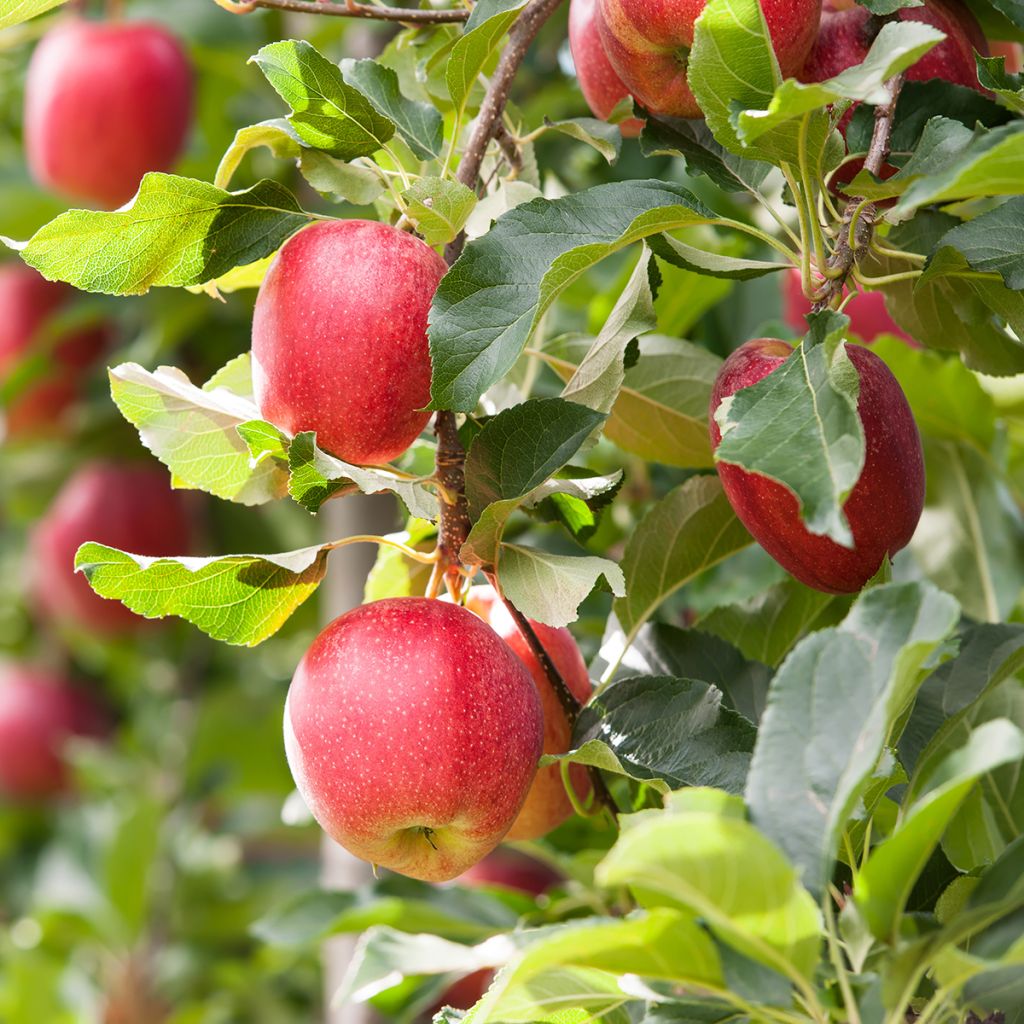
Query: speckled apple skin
[
  {"x": 601, "y": 86},
  {"x": 869, "y": 318},
  {"x": 126, "y": 506},
  {"x": 647, "y": 42},
  {"x": 547, "y": 804},
  {"x": 885, "y": 504},
  {"x": 339, "y": 338},
  {"x": 105, "y": 102},
  {"x": 39, "y": 712},
  {"x": 28, "y": 301},
  {"x": 845, "y": 37},
  {"x": 408, "y": 715}
]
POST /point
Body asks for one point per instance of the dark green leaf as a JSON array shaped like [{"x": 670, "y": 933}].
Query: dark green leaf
[{"x": 993, "y": 242}]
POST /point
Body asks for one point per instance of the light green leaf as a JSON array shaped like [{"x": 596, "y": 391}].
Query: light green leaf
[
  {"x": 602, "y": 136},
  {"x": 277, "y": 135},
  {"x": 351, "y": 183},
  {"x": 439, "y": 208},
  {"x": 471, "y": 53},
  {"x": 194, "y": 432},
  {"x": 327, "y": 113},
  {"x": 177, "y": 232},
  {"x": 14, "y": 12},
  {"x": 240, "y": 599}
]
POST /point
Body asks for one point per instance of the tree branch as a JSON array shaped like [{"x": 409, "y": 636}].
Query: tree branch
[
  {"x": 858, "y": 226},
  {"x": 349, "y": 9}
]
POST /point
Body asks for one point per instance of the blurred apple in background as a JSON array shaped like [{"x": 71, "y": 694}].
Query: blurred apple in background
[
  {"x": 1012, "y": 54},
  {"x": 512, "y": 869},
  {"x": 105, "y": 102}
]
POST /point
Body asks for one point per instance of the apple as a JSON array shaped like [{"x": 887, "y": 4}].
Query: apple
[
  {"x": 29, "y": 302},
  {"x": 868, "y": 316},
  {"x": 339, "y": 338},
  {"x": 885, "y": 504},
  {"x": 413, "y": 734},
  {"x": 648, "y": 42},
  {"x": 547, "y": 805},
  {"x": 601, "y": 86},
  {"x": 845, "y": 36},
  {"x": 129, "y": 507},
  {"x": 39, "y": 711},
  {"x": 105, "y": 102},
  {"x": 1012, "y": 54},
  {"x": 461, "y": 994},
  {"x": 512, "y": 869}
]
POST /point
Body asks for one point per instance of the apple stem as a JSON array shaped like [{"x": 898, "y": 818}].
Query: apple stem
[
  {"x": 409, "y": 16},
  {"x": 858, "y": 227}
]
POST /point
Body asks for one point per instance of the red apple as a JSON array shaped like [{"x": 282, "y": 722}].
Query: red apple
[
  {"x": 885, "y": 504},
  {"x": 105, "y": 102},
  {"x": 547, "y": 805},
  {"x": 129, "y": 507},
  {"x": 339, "y": 338},
  {"x": 648, "y": 43},
  {"x": 601, "y": 86},
  {"x": 868, "y": 316},
  {"x": 39, "y": 711},
  {"x": 846, "y": 36},
  {"x": 1013, "y": 54},
  {"x": 413, "y": 734},
  {"x": 28, "y": 302},
  {"x": 512, "y": 869}
]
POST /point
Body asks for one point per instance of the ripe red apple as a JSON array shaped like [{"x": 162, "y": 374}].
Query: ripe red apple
[
  {"x": 547, "y": 805},
  {"x": 339, "y": 338},
  {"x": 601, "y": 86},
  {"x": 1012, "y": 54},
  {"x": 28, "y": 302},
  {"x": 885, "y": 504},
  {"x": 868, "y": 316},
  {"x": 105, "y": 102},
  {"x": 846, "y": 36},
  {"x": 512, "y": 869},
  {"x": 130, "y": 507},
  {"x": 39, "y": 711},
  {"x": 413, "y": 734},
  {"x": 648, "y": 43}
]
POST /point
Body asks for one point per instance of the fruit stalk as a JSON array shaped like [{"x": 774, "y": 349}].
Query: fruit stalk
[
  {"x": 859, "y": 216},
  {"x": 351, "y": 9}
]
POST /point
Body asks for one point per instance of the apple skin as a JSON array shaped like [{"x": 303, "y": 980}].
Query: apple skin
[
  {"x": 885, "y": 504},
  {"x": 845, "y": 36},
  {"x": 547, "y": 804},
  {"x": 1012, "y": 53},
  {"x": 39, "y": 711},
  {"x": 647, "y": 42},
  {"x": 130, "y": 507},
  {"x": 339, "y": 338},
  {"x": 413, "y": 734},
  {"x": 512, "y": 869},
  {"x": 868, "y": 316},
  {"x": 105, "y": 102},
  {"x": 601, "y": 86},
  {"x": 28, "y": 301}
]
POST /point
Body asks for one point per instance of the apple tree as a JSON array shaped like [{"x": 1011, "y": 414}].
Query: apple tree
[{"x": 726, "y": 378}]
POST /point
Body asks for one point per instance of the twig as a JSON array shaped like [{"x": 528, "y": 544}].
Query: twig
[
  {"x": 454, "y": 518},
  {"x": 858, "y": 225},
  {"x": 351, "y": 9}
]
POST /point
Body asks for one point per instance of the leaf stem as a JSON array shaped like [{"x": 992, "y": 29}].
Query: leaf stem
[
  {"x": 836, "y": 956},
  {"x": 801, "y": 212},
  {"x": 876, "y": 282},
  {"x": 810, "y": 192},
  {"x": 349, "y": 9},
  {"x": 425, "y": 557}
]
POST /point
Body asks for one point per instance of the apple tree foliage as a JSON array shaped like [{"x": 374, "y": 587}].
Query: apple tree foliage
[{"x": 820, "y": 798}]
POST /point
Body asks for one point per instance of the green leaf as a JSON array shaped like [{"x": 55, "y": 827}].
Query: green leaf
[
  {"x": 883, "y": 886},
  {"x": 14, "y": 12},
  {"x": 439, "y": 208},
  {"x": 420, "y": 124},
  {"x": 993, "y": 242},
  {"x": 550, "y": 588},
  {"x": 1009, "y": 88},
  {"x": 605, "y": 138},
  {"x": 823, "y": 730},
  {"x": 883, "y": 7},
  {"x": 484, "y": 30},
  {"x": 351, "y": 183},
  {"x": 129, "y": 860},
  {"x": 692, "y": 528},
  {"x": 675, "y": 730},
  {"x": 721, "y": 868},
  {"x": 277, "y": 135},
  {"x": 713, "y": 264},
  {"x": 765, "y": 627},
  {"x": 488, "y": 304},
  {"x": 240, "y": 599},
  {"x": 812, "y": 395},
  {"x": 317, "y": 476},
  {"x": 897, "y": 45},
  {"x": 327, "y": 113},
  {"x": 177, "y": 232},
  {"x": 522, "y": 447},
  {"x": 194, "y": 432}
]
